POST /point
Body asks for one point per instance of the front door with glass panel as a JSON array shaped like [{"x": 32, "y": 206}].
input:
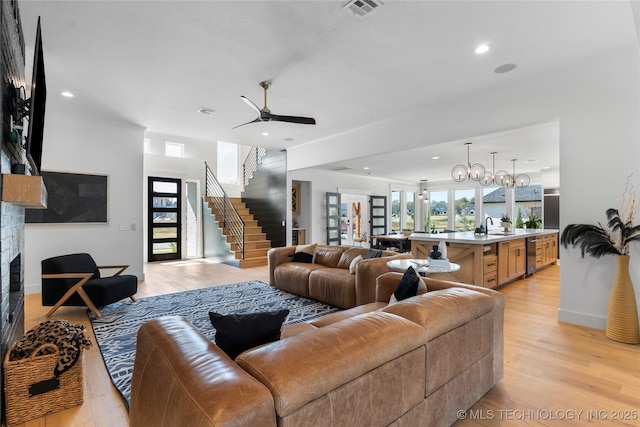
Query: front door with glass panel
[{"x": 165, "y": 200}]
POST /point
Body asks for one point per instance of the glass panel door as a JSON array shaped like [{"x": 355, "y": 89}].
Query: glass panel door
[
  {"x": 378, "y": 215},
  {"x": 333, "y": 218},
  {"x": 165, "y": 224}
]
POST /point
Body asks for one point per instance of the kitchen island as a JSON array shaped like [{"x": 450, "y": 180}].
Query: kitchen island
[{"x": 493, "y": 259}]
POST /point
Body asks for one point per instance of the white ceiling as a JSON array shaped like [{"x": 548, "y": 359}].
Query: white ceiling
[{"x": 155, "y": 63}]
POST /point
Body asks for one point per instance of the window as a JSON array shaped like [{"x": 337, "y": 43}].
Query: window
[
  {"x": 147, "y": 145},
  {"x": 173, "y": 149},
  {"x": 227, "y": 163},
  {"x": 410, "y": 223},
  {"x": 439, "y": 209},
  {"x": 395, "y": 211},
  {"x": 528, "y": 203},
  {"x": 494, "y": 205},
  {"x": 465, "y": 209}
]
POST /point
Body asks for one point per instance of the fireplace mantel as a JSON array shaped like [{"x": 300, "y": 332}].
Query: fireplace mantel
[{"x": 27, "y": 191}]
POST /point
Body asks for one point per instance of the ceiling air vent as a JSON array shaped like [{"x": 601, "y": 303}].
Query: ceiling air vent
[
  {"x": 363, "y": 7},
  {"x": 206, "y": 110}
]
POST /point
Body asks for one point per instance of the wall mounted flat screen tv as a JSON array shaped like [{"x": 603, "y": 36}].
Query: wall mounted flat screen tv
[{"x": 37, "y": 105}]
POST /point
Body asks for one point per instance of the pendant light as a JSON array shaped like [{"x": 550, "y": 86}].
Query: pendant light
[
  {"x": 424, "y": 193},
  {"x": 520, "y": 181},
  {"x": 492, "y": 177},
  {"x": 461, "y": 172}
]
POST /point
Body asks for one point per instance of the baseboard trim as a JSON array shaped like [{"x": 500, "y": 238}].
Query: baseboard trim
[{"x": 581, "y": 319}]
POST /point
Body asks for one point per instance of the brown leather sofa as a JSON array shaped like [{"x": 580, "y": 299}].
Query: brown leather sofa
[
  {"x": 413, "y": 363},
  {"x": 328, "y": 278}
]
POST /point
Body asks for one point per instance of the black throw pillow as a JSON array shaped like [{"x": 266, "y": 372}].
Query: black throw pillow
[
  {"x": 236, "y": 333},
  {"x": 408, "y": 286},
  {"x": 305, "y": 253},
  {"x": 373, "y": 253}
]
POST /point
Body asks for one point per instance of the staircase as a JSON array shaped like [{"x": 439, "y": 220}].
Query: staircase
[{"x": 255, "y": 243}]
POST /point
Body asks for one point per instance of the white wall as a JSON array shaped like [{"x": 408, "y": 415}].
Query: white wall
[
  {"x": 189, "y": 168},
  {"x": 597, "y": 104},
  {"x": 84, "y": 145},
  {"x": 326, "y": 181}
]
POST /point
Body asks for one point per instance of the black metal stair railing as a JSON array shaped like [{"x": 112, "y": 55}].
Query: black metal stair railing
[
  {"x": 230, "y": 218},
  {"x": 251, "y": 163}
]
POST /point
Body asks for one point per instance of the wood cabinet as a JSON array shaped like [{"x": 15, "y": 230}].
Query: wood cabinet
[
  {"x": 512, "y": 260},
  {"x": 546, "y": 250},
  {"x": 298, "y": 236},
  {"x": 490, "y": 271}
]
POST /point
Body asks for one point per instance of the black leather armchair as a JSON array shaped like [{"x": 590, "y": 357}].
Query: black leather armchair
[{"x": 74, "y": 280}]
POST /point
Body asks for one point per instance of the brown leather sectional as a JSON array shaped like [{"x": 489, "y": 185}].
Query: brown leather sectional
[
  {"x": 328, "y": 278},
  {"x": 414, "y": 363}
]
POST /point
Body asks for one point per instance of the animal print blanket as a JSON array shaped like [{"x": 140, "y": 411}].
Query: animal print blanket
[{"x": 69, "y": 338}]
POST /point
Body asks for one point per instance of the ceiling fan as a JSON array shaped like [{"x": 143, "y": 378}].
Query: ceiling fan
[{"x": 264, "y": 114}]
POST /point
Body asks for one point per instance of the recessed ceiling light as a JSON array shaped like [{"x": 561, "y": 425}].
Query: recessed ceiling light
[
  {"x": 66, "y": 94},
  {"x": 483, "y": 48},
  {"x": 265, "y": 133},
  {"x": 530, "y": 161},
  {"x": 366, "y": 168},
  {"x": 435, "y": 157}
]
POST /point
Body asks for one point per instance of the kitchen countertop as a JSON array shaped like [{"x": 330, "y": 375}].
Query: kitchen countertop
[{"x": 470, "y": 237}]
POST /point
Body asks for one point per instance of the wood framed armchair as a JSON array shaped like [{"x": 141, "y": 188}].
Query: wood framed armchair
[{"x": 75, "y": 280}]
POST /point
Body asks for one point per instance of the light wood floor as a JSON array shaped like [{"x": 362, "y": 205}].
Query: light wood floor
[{"x": 555, "y": 374}]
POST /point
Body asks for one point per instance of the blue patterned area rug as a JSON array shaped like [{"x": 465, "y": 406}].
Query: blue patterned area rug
[{"x": 117, "y": 328}]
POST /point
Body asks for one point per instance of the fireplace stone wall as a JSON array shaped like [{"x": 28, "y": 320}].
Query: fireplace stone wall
[{"x": 12, "y": 82}]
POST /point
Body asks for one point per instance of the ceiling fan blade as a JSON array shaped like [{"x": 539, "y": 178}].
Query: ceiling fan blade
[
  {"x": 248, "y": 123},
  {"x": 293, "y": 119},
  {"x": 250, "y": 103}
]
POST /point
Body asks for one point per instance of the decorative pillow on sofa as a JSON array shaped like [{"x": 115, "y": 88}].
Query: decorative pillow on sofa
[
  {"x": 354, "y": 263},
  {"x": 305, "y": 253},
  {"x": 409, "y": 286},
  {"x": 373, "y": 253},
  {"x": 236, "y": 333}
]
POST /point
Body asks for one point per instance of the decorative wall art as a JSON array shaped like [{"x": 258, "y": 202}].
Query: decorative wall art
[{"x": 73, "y": 198}]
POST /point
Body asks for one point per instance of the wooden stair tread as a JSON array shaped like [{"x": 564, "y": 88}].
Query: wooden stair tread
[{"x": 256, "y": 244}]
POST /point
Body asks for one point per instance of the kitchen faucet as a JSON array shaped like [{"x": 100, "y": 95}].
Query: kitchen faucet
[{"x": 486, "y": 226}]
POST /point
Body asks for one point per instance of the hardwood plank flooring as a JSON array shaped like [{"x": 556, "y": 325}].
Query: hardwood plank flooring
[{"x": 555, "y": 373}]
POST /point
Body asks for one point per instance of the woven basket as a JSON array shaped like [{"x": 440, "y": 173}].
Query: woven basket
[{"x": 25, "y": 378}]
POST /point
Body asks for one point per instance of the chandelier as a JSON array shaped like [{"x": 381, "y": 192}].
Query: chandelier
[
  {"x": 424, "y": 194},
  {"x": 520, "y": 181},
  {"x": 501, "y": 177},
  {"x": 461, "y": 172}
]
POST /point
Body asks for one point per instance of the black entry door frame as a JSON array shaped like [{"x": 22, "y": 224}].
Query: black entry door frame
[{"x": 164, "y": 218}]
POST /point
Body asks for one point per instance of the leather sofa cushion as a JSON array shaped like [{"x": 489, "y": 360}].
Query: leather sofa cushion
[
  {"x": 329, "y": 256},
  {"x": 335, "y": 286},
  {"x": 293, "y": 277},
  {"x": 337, "y": 316},
  {"x": 179, "y": 375},
  {"x": 300, "y": 370},
  {"x": 441, "y": 311},
  {"x": 348, "y": 256}
]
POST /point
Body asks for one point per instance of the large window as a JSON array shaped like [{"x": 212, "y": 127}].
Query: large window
[
  {"x": 227, "y": 163},
  {"x": 395, "y": 210},
  {"x": 493, "y": 205},
  {"x": 410, "y": 223},
  {"x": 528, "y": 203},
  {"x": 439, "y": 210},
  {"x": 465, "y": 209},
  {"x": 403, "y": 210}
]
